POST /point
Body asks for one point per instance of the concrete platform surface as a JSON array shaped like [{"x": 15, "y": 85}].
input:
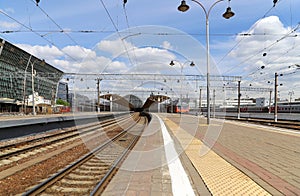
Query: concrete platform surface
[{"x": 211, "y": 166}]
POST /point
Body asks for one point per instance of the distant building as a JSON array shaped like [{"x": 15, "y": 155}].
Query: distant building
[
  {"x": 63, "y": 91},
  {"x": 16, "y": 70},
  {"x": 261, "y": 102},
  {"x": 81, "y": 103}
]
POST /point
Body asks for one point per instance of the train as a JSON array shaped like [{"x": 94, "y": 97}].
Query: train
[
  {"x": 178, "y": 109},
  {"x": 281, "y": 108},
  {"x": 58, "y": 109},
  {"x": 284, "y": 107}
]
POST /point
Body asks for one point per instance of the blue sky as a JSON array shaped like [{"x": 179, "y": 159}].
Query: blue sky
[{"x": 90, "y": 35}]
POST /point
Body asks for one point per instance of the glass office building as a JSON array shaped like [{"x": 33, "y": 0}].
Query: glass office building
[{"x": 22, "y": 73}]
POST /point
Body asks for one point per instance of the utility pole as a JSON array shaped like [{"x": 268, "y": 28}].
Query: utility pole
[
  {"x": 270, "y": 102},
  {"x": 98, "y": 94},
  {"x": 200, "y": 101},
  {"x": 111, "y": 103},
  {"x": 291, "y": 93},
  {"x": 239, "y": 100},
  {"x": 275, "y": 97},
  {"x": 67, "y": 95},
  {"x": 214, "y": 100}
]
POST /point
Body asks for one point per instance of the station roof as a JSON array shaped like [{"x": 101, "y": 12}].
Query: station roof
[{"x": 154, "y": 98}]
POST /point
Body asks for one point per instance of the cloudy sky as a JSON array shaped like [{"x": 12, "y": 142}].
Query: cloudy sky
[{"x": 106, "y": 36}]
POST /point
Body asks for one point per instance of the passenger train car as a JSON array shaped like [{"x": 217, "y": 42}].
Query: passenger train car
[
  {"x": 178, "y": 109},
  {"x": 293, "y": 108},
  {"x": 61, "y": 109},
  {"x": 281, "y": 108}
]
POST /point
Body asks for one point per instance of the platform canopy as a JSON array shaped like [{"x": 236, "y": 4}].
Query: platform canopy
[{"x": 154, "y": 98}]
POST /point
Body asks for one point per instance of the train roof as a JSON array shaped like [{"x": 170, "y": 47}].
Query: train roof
[{"x": 289, "y": 103}]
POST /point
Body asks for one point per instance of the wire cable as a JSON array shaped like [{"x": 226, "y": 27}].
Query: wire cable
[
  {"x": 240, "y": 41},
  {"x": 36, "y": 33},
  {"x": 117, "y": 30},
  {"x": 61, "y": 29}
]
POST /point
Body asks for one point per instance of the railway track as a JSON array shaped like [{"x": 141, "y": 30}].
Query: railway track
[
  {"x": 16, "y": 151},
  {"x": 91, "y": 173}
]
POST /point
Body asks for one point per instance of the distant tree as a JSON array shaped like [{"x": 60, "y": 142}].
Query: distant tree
[{"x": 62, "y": 102}]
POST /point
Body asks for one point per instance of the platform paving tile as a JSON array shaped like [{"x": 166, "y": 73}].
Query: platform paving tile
[
  {"x": 145, "y": 171},
  {"x": 255, "y": 150},
  {"x": 220, "y": 177}
]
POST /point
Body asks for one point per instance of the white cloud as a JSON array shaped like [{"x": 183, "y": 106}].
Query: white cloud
[
  {"x": 43, "y": 52},
  {"x": 115, "y": 47},
  {"x": 71, "y": 58},
  {"x": 9, "y": 10},
  {"x": 116, "y": 67},
  {"x": 9, "y": 25},
  {"x": 167, "y": 45},
  {"x": 144, "y": 59},
  {"x": 151, "y": 53},
  {"x": 79, "y": 53},
  {"x": 270, "y": 48},
  {"x": 63, "y": 65}
]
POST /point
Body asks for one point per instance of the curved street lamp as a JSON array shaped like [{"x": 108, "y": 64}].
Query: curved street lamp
[
  {"x": 192, "y": 64},
  {"x": 228, "y": 14},
  {"x": 33, "y": 74}
]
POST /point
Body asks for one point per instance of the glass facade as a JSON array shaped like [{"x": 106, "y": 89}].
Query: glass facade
[
  {"x": 63, "y": 91},
  {"x": 17, "y": 67}
]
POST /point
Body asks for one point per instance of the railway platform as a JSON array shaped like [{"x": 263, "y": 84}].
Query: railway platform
[
  {"x": 10, "y": 125},
  {"x": 182, "y": 155},
  {"x": 19, "y": 120},
  {"x": 172, "y": 158}
]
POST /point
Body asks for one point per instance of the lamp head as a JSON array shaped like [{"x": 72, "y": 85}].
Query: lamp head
[
  {"x": 183, "y": 6},
  {"x": 228, "y": 14}
]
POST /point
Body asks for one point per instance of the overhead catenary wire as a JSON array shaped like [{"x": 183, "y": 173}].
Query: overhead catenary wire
[
  {"x": 36, "y": 33},
  {"x": 128, "y": 27},
  {"x": 90, "y": 31},
  {"x": 117, "y": 31},
  {"x": 53, "y": 21},
  {"x": 270, "y": 46},
  {"x": 240, "y": 41}
]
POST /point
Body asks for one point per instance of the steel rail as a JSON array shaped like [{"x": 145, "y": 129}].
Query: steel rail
[
  {"x": 23, "y": 143},
  {"x": 104, "y": 181},
  {"x": 50, "y": 181}
]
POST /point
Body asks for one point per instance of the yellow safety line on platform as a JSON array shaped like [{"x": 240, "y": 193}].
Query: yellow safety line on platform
[{"x": 220, "y": 177}]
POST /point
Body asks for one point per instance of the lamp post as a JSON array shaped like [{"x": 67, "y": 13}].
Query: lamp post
[
  {"x": 181, "y": 69},
  {"x": 228, "y": 14},
  {"x": 24, "y": 84},
  {"x": 32, "y": 84}
]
